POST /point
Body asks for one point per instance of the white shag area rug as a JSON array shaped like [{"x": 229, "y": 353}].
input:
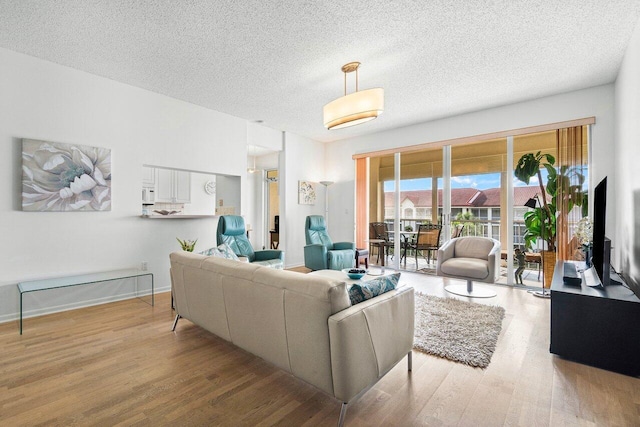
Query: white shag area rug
[{"x": 461, "y": 331}]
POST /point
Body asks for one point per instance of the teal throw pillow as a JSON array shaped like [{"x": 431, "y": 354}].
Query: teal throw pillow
[
  {"x": 227, "y": 252},
  {"x": 209, "y": 252},
  {"x": 222, "y": 251},
  {"x": 366, "y": 290}
]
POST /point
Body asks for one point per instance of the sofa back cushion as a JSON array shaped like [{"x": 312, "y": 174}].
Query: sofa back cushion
[
  {"x": 198, "y": 295},
  {"x": 278, "y": 315}
]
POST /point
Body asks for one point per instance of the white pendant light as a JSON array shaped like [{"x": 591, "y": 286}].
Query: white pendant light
[{"x": 355, "y": 108}]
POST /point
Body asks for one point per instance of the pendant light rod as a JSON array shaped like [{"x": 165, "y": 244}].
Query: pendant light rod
[{"x": 350, "y": 68}]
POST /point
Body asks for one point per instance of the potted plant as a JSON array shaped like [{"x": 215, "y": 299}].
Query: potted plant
[
  {"x": 541, "y": 222},
  {"x": 187, "y": 245}
]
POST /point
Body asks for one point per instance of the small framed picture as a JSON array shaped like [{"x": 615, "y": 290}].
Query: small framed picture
[{"x": 306, "y": 193}]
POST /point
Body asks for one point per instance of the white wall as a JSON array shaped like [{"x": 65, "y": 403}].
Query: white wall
[
  {"x": 303, "y": 159},
  {"x": 46, "y": 101},
  {"x": 264, "y": 136},
  {"x": 625, "y": 209},
  {"x": 252, "y": 208},
  {"x": 597, "y": 101},
  {"x": 228, "y": 193},
  {"x": 202, "y": 203}
]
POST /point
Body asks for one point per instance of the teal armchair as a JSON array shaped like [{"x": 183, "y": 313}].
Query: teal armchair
[
  {"x": 321, "y": 253},
  {"x": 231, "y": 230}
]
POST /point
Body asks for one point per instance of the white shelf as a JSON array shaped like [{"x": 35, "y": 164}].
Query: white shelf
[{"x": 176, "y": 216}]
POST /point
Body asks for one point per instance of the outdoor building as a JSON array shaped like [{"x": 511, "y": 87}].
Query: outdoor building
[{"x": 478, "y": 209}]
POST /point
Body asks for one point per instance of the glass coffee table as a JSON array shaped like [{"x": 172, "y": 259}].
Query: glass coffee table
[{"x": 339, "y": 275}]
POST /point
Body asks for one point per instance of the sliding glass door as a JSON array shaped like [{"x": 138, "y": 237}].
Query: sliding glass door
[{"x": 469, "y": 189}]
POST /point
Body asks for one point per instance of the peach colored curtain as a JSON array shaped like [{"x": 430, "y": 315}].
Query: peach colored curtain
[
  {"x": 361, "y": 204},
  {"x": 571, "y": 163}
]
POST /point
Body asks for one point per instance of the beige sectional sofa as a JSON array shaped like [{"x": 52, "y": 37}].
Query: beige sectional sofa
[{"x": 304, "y": 324}]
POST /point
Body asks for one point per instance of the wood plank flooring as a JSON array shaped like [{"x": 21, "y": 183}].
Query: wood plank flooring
[{"x": 120, "y": 364}]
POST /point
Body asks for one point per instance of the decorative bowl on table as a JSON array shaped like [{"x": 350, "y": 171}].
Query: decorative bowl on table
[
  {"x": 166, "y": 212},
  {"x": 355, "y": 273}
]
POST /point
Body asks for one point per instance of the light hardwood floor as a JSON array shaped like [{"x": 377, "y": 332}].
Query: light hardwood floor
[{"x": 120, "y": 364}]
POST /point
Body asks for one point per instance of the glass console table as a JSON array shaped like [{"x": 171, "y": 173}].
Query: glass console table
[{"x": 84, "y": 279}]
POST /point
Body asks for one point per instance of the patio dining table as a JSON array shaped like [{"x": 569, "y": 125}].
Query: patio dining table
[{"x": 406, "y": 235}]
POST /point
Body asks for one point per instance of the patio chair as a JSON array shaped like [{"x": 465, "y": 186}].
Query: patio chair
[
  {"x": 427, "y": 240},
  {"x": 379, "y": 238}
]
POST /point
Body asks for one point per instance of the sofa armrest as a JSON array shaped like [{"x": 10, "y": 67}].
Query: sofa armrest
[
  {"x": 344, "y": 245},
  {"x": 445, "y": 252},
  {"x": 368, "y": 339},
  {"x": 268, "y": 254},
  {"x": 315, "y": 257}
]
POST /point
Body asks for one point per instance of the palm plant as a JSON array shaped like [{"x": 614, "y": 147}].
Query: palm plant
[
  {"x": 468, "y": 220},
  {"x": 564, "y": 190}
]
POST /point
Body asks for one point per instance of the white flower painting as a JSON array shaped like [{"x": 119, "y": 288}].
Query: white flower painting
[
  {"x": 306, "y": 193},
  {"x": 65, "y": 177}
]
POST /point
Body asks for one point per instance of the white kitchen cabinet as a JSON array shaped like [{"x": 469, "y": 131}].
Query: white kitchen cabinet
[
  {"x": 173, "y": 186},
  {"x": 183, "y": 187},
  {"x": 148, "y": 177}
]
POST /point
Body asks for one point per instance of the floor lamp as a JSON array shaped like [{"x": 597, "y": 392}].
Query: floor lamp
[
  {"x": 533, "y": 203},
  {"x": 326, "y": 201}
]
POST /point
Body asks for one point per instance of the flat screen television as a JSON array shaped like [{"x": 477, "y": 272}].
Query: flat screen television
[{"x": 601, "y": 255}]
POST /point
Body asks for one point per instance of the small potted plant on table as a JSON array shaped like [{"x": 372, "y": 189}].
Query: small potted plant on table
[{"x": 187, "y": 245}]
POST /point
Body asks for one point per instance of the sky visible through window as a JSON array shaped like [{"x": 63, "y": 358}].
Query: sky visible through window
[{"x": 480, "y": 182}]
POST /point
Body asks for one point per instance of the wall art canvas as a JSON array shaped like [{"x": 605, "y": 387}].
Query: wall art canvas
[
  {"x": 65, "y": 177},
  {"x": 306, "y": 193}
]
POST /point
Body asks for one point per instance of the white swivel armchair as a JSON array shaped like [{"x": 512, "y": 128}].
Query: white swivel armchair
[{"x": 471, "y": 259}]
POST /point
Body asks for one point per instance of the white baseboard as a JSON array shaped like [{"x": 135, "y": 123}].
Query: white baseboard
[{"x": 286, "y": 266}]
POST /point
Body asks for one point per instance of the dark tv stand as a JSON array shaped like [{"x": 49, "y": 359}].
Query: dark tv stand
[{"x": 596, "y": 326}]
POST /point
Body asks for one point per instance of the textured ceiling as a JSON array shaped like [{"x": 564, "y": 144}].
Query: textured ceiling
[{"x": 279, "y": 61}]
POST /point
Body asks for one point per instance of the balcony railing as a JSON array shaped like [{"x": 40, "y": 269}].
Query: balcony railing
[{"x": 472, "y": 227}]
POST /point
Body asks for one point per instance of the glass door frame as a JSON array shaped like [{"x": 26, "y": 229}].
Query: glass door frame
[
  {"x": 446, "y": 203},
  {"x": 397, "y": 241},
  {"x": 508, "y": 170}
]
